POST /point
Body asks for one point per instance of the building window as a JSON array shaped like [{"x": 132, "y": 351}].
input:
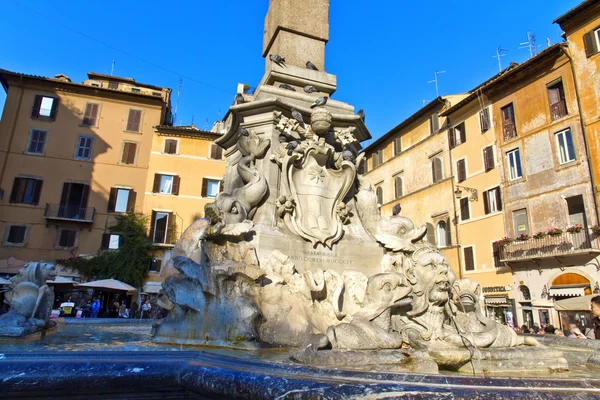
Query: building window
[
  {"x": 166, "y": 184},
  {"x": 461, "y": 170},
  {"x": 521, "y": 222},
  {"x": 170, "y": 146},
  {"x": 161, "y": 227},
  {"x": 459, "y": 134},
  {"x": 37, "y": 141},
  {"x": 216, "y": 152},
  {"x": 90, "y": 116},
  {"x": 469, "y": 260},
  {"x": 362, "y": 167},
  {"x": 509, "y": 127},
  {"x": 484, "y": 119},
  {"x": 26, "y": 191},
  {"x": 129, "y": 153},
  {"x": 377, "y": 158},
  {"x": 525, "y": 293},
  {"x": 135, "y": 90},
  {"x": 430, "y": 237},
  {"x": 591, "y": 41},
  {"x": 210, "y": 187},
  {"x": 398, "y": 187},
  {"x": 397, "y": 146},
  {"x": 465, "y": 212},
  {"x": 44, "y": 107},
  {"x": 134, "y": 120},
  {"x": 442, "y": 234},
  {"x": 155, "y": 265},
  {"x": 379, "y": 193},
  {"x": 84, "y": 148},
  {"x": 121, "y": 200},
  {"x": 436, "y": 169},
  {"x": 488, "y": 158},
  {"x": 492, "y": 201},
  {"x": 113, "y": 85},
  {"x": 67, "y": 238},
  {"x": 111, "y": 241},
  {"x": 16, "y": 234},
  {"x": 566, "y": 150},
  {"x": 556, "y": 98},
  {"x": 434, "y": 123},
  {"x": 73, "y": 201},
  {"x": 514, "y": 164}
]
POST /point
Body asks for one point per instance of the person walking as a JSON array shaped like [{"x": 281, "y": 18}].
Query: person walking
[
  {"x": 123, "y": 310},
  {"x": 146, "y": 308},
  {"x": 95, "y": 307},
  {"x": 594, "y": 333}
]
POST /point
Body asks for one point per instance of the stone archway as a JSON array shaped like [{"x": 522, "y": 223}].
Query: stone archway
[{"x": 569, "y": 284}]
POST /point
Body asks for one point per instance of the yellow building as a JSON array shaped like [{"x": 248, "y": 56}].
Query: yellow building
[
  {"x": 480, "y": 221},
  {"x": 185, "y": 173},
  {"x": 581, "y": 26},
  {"x": 410, "y": 165},
  {"x": 74, "y": 155}
]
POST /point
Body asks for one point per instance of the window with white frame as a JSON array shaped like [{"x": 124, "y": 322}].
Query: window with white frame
[
  {"x": 514, "y": 164},
  {"x": 44, "y": 107},
  {"x": 170, "y": 146},
  {"x": 492, "y": 201},
  {"x": 436, "y": 169},
  {"x": 84, "y": 148},
  {"x": 566, "y": 150},
  {"x": 442, "y": 234},
  {"x": 37, "y": 141},
  {"x": 121, "y": 200},
  {"x": 166, "y": 184},
  {"x": 210, "y": 187}
]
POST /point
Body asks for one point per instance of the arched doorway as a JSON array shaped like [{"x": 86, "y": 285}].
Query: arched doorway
[{"x": 569, "y": 284}]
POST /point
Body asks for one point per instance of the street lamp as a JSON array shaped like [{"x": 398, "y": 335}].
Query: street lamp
[{"x": 474, "y": 195}]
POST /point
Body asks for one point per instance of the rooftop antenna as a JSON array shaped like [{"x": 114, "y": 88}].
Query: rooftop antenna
[
  {"x": 112, "y": 68},
  {"x": 499, "y": 54},
  {"x": 219, "y": 115},
  {"x": 529, "y": 44},
  {"x": 548, "y": 41},
  {"x": 206, "y": 125},
  {"x": 177, "y": 101},
  {"x": 437, "y": 93},
  {"x": 425, "y": 102}
]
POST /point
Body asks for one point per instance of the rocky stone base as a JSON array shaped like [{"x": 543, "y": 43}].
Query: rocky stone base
[
  {"x": 501, "y": 360},
  {"x": 398, "y": 360}
]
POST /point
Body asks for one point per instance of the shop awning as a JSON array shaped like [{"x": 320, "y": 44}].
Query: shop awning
[
  {"x": 574, "y": 304},
  {"x": 567, "y": 291},
  {"x": 109, "y": 284},
  {"x": 496, "y": 300}
]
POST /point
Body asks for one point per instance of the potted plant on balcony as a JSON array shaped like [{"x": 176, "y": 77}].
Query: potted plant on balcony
[
  {"x": 523, "y": 237},
  {"x": 554, "y": 232},
  {"x": 539, "y": 235},
  {"x": 595, "y": 229},
  {"x": 575, "y": 229},
  {"x": 504, "y": 241}
]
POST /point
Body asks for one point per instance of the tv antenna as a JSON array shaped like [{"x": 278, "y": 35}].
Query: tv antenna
[
  {"x": 529, "y": 44},
  {"x": 112, "y": 68},
  {"x": 498, "y": 55},
  {"x": 425, "y": 102},
  {"x": 436, "y": 73}
]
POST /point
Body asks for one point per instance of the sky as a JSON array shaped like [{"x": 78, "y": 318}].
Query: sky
[{"x": 383, "y": 52}]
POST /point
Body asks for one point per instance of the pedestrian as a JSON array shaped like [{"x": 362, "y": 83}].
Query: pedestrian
[
  {"x": 86, "y": 309},
  {"x": 146, "y": 307},
  {"x": 123, "y": 310},
  {"x": 549, "y": 329},
  {"x": 595, "y": 308},
  {"x": 95, "y": 307},
  {"x": 536, "y": 327},
  {"x": 576, "y": 332}
]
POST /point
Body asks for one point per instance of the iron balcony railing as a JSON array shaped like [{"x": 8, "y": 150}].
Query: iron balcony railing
[
  {"x": 558, "y": 110},
  {"x": 563, "y": 244},
  {"x": 164, "y": 238},
  {"x": 510, "y": 130},
  {"x": 69, "y": 213}
]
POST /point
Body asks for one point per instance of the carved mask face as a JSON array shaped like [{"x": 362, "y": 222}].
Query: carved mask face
[{"x": 436, "y": 277}]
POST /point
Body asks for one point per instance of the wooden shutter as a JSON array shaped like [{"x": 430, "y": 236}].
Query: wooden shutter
[
  {"x": 37, "y": 103},
  {"x": 430, "y": 233},
  {"x": 451, "y": 140},
  {"x": 434, "y": 123},
  {"x": 62, "y": 242},
  {"x": 71, "y": 235},
  {"x": 91, "y": 114},
  {"x": 105, "y": 241},
  {"x": 469, "y": 261},
  {"x": 16, "y": 234},
  {"x": 464, "y": 209},
  {"x": 156, "y": 185},
  {"x": 463, "y": 133},
  {"x": 436, "y": 164},
  {"x": 486, "y": 203},
  {"x": 54, "y": 108},
  {"x": 133, "y": 120},
  {"x": 125, "y": 152},
  {"x": 380, "y": 155},
  {"x": 131, "y": 200},
  {"x": 152, "y": 222},
  {"x": 448, "y": 233},
  {"x": 397, "y": 146},
  {"x": 85, "y": 196},
  {"x": 554, "y": 94},
  {"x": 484, "y": 119},
  {"x": 37, "y": 191},
  {"x": 131, "y": 153},
  {"x": 589, "y": 41},
  {"x": 171, "y": 146},
  {"x": 379, "y": 193},
  {"x": 112, "y": 200},
  {"x": 498, "y": 198},
  {"x": 170, "y": 237},
  {"x": 14, "y": 194},
  {"x": 461, "y": 170},
  {"x": 65, "y": 193},
  {"x": 488, "y": 158},
  {"x": 204, "y": 187},
  {"x": 398, "y": 186},
  {"x": 175, "y": 189}
]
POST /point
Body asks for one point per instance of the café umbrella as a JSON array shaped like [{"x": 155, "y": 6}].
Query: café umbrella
[{"x": 109, "y": 285}]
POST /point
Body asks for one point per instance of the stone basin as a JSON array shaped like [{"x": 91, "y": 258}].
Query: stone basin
[{"x": 111, "y": 358}]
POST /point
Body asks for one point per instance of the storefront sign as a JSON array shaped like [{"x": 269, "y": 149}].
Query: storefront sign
[{"x": 496, "y": 289}]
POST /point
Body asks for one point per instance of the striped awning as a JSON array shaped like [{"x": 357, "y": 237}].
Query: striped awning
[
  {"x": 496, "y": 300},
  {"x": 566, "y": 291}
]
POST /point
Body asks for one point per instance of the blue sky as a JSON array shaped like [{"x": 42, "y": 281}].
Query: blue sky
[{"x": 383, "y": 52}]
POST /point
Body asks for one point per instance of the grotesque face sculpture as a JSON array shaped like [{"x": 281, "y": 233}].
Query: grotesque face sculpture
[{"x": 436, "y": 277}]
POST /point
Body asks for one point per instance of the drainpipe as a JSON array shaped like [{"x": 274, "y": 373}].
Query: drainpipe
[
  {"x": 12, "y": 132},
  {"x": 455, "y": 219},
  {"x": 585, "y": 141}
]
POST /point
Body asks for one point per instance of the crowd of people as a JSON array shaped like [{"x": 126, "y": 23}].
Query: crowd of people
[
  {"x": 576, "y": 330},
  {"x": 92, "y": 308}
]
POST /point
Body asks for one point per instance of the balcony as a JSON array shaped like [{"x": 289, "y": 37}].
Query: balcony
[
  {"x": 558, "y": 110},
  {"x": 565, "y": 244},
  {"x": 162, "y": 238},
  {"x": 510, "y": 131},
  {"x": 69, "y": 213}
]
